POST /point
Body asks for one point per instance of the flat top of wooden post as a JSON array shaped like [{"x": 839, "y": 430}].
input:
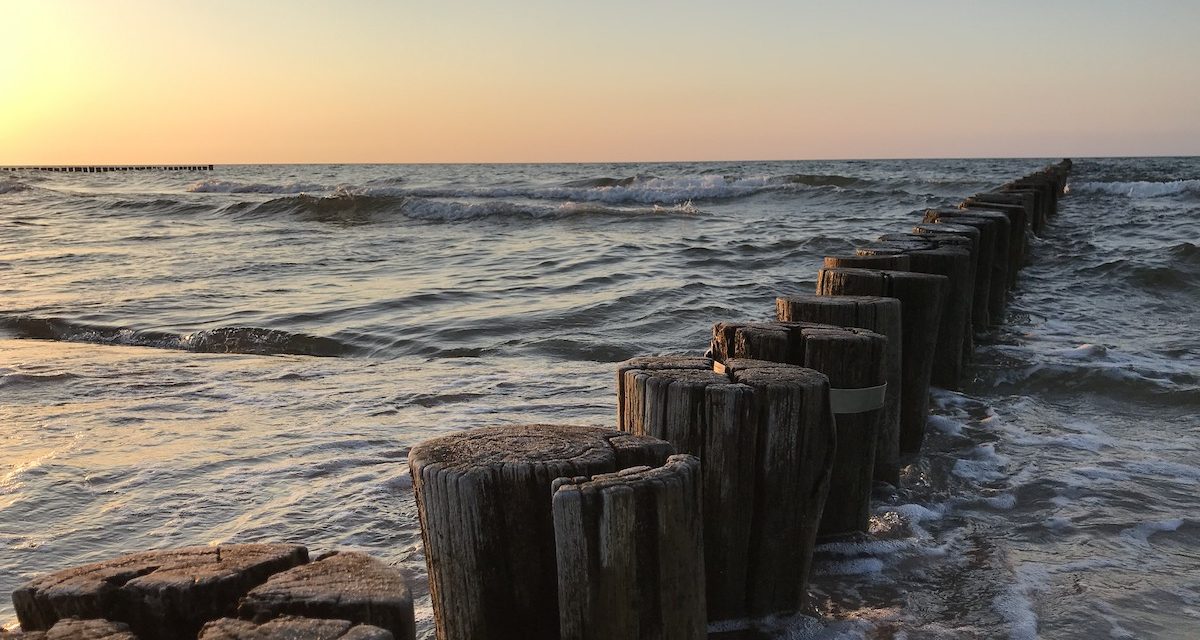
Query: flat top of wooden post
[
  {"x": 524, "y": 444},
  {"x": 835, "y": 300}
]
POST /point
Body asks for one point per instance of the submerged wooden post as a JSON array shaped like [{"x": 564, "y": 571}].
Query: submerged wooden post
[
  {"x": 921, "y": 296},
  {"x": 766, "y": 439},
  {"x": 630, "y": 553},
  {"x": 484, "y": 501},
  {"x": 878, "y": 314}
]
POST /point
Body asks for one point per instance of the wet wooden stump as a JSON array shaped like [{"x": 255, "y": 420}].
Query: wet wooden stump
[
  {"x": 766, "y": 441},
  {"x": 853, "y": 359},
  {"x": 484, "y": 498},
  {"x": 954, "y": 341},
  {"x": 921, "y": 296},
  {"x": 881, "y": 315},
  {"x": 631, "y": 554},
  {"x": 163, "y": 595},
  {"x": 73, "y": 629},
  {"x": 981, "y": 256},
  {"x": 342, "y": 586},
  {"x": 291, "y": 628},
  {"x": 1041, "y": 203},
  {"x": 1015, "y": 205},
  {"x": 891, "y": 261},
  {"x": 1018, "y": 230},
  {"x": 995, "y": 228}
]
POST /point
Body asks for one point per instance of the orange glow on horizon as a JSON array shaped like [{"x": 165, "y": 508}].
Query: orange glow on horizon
[{"x": 222, "y": 82}]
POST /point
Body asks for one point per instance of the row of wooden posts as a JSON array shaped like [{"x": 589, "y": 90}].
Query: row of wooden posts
[
  {"x": 698, "y": 515},
  {"x": 107, "y": 168}
]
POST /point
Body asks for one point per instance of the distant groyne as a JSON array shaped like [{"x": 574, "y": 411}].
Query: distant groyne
[{"x": 90, "y": 168}]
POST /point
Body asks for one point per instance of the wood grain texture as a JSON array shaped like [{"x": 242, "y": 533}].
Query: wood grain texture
[
  {"x": 851, "y": 359},
  {"x": 995, "y": 228},
  {"x": 981, "y": 255},
  {"x": 291, "y": 628},
  {"x": 921, "y": 296},
  {"x": 883, "y": 315},
  {"x": 74, "y": 629},
  {"x": 758, "y": 445},
  {"x": 344, "y": 585},
  {"x": 484, "y": 497},
  {"x": 160, "y": 594},
  {"x": 631, "y": 554}
]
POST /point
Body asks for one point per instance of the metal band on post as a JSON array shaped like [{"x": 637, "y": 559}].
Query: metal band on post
[{"x": 857, "y": 400}]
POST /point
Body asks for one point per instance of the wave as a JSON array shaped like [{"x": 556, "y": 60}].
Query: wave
[
  {"x": 1140, "y": 188},
  {"x": 248, "y": 340},
  {"x": 10, "y": 185},
  {"x": 820, "y": 180},
  {"x": 345, "y": 207},
  {"x": 214, "y": 185}
]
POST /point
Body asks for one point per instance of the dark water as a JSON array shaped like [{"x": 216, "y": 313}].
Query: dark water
[{"x": 249, "y": 354}]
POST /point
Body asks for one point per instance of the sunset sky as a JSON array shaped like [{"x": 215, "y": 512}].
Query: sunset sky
[{"x": 394, "y": 81}]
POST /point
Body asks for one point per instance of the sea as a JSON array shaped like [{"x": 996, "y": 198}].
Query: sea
[{"x": 249, "y": 353}]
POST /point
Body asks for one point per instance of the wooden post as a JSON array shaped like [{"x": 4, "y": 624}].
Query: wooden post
[
  {"x": 921, "y": 296},
  {"x": 954, "y": 341},
  {"x": 766, "y": 441},
  {"x": 993, "y": 232},
  {"x": 852, "y": 359},
  {"x": 343, "y": 585},
  {"x": 161, "y": 595},
  {"x": 630, "y": 553},
  {"x": 882, "y": 316},
  {"x": 980, "y": 316},
  {"x": 484, "y": 501},
  {"x": 894, "y": 261}
]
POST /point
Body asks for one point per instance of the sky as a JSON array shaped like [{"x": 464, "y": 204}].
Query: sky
[{"x": 274, "y": 81}]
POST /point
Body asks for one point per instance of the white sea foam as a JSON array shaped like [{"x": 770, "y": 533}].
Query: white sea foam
[
  {"x": 984, "y": 465},
  {"x": 233, "y": 186},
  {"x": 1140, "y": 534},
  {"x": 1139, "y": 189}
]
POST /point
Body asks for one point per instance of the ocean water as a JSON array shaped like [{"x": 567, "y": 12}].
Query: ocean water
[{"x": 248, "y": 354}]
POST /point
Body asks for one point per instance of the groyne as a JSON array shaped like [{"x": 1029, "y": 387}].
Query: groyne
[
  {"x": 696, "y": 516},
  {"x": 105, "y": 168}
]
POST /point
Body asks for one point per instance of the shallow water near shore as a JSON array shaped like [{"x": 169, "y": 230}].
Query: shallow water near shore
[{"x": 248, "y": 355}]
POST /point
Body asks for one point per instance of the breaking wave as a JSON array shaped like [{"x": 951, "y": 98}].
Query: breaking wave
[
  {"x": 249, "y": 340},
  {"x": 344, "y": 207},
  {"x": 233, "y": 186},
  {"x": 1140, "y": 188},
  {"x": 9, "y": 185}
]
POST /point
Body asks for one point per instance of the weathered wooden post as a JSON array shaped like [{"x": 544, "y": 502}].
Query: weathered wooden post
[
  {"x": 981, "y": 256},
  {"x": 954, "y": 339},
  {"x": 993, "y": 232},
  {"x": 484, "y": 502},
  {"x": 1018, "y": 240},
  {"x": 766, "y": 441},
  {"x": 853, "y": 360},
  {"x": 161, "y": 595},
  {"x": 878, "y": 314},
  {"x": 896, "y": 261},
  {"x": 921, "y": 296},
  {"x": 343, "y": 585},
  {"x": 631, "y": 554}
]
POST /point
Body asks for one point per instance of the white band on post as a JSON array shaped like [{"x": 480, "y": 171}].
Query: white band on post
[{"x": 857, "y": 400}]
